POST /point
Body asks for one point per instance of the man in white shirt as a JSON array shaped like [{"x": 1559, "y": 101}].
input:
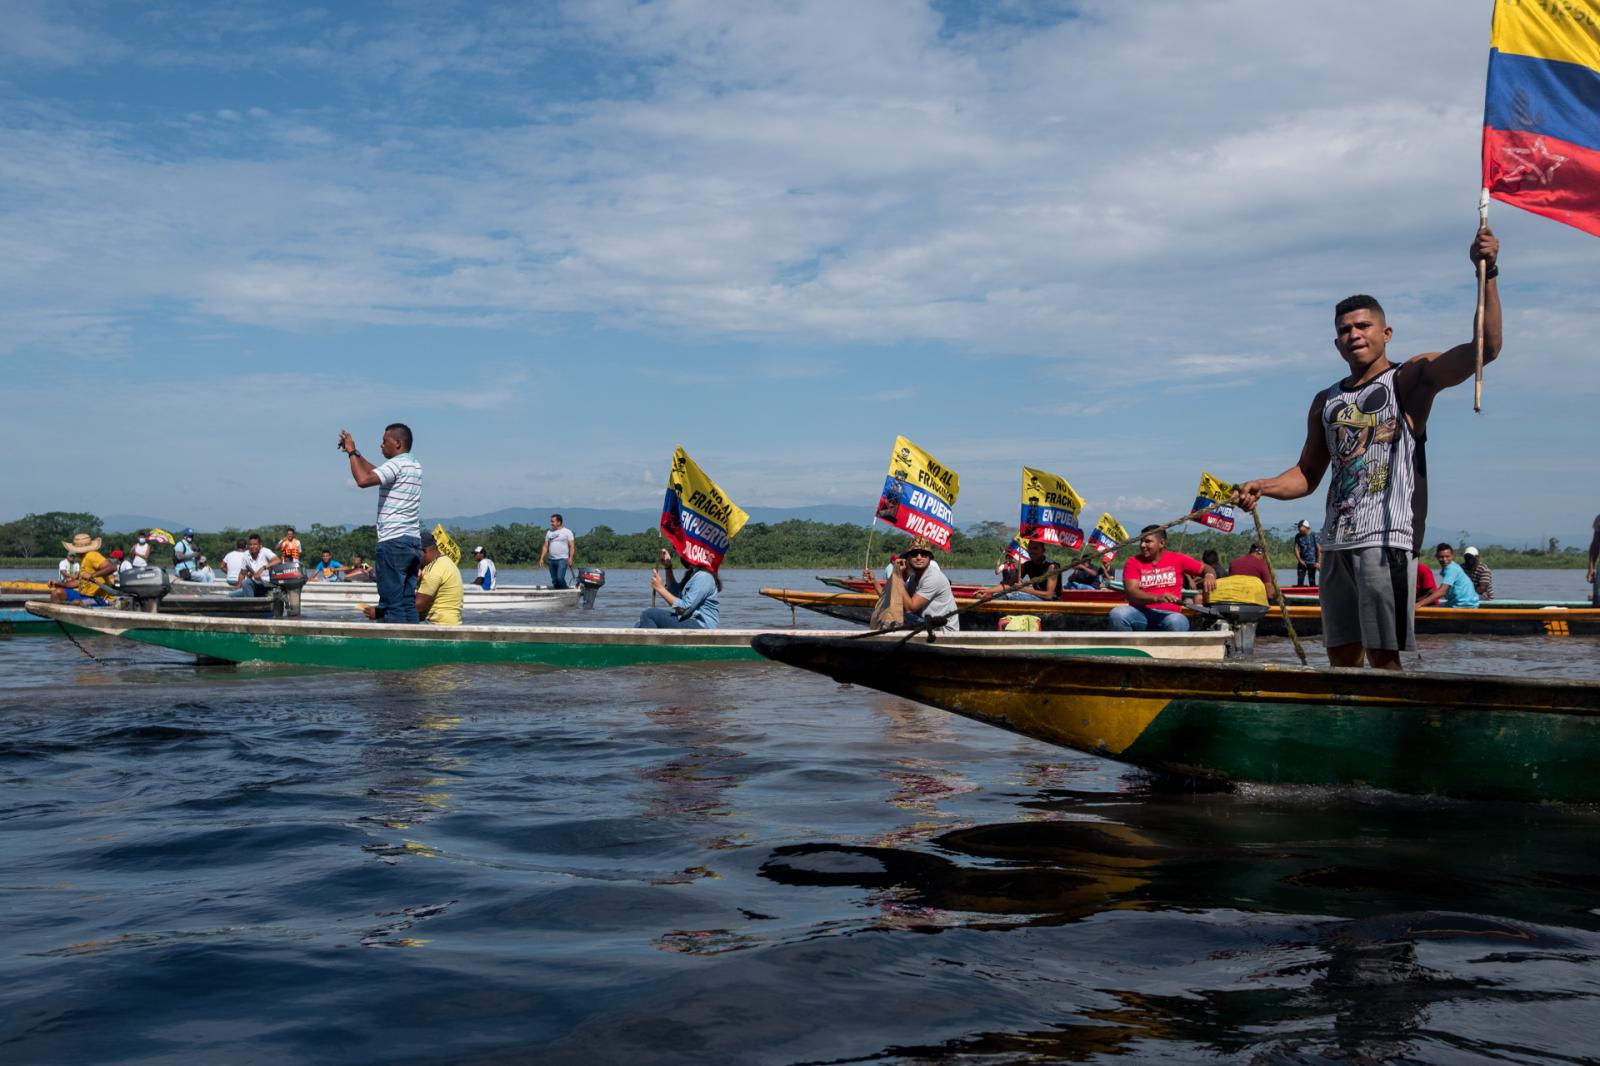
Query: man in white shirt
[
  {"x": 253, "y": 576},
  {"x": 562, "y": 548},
  {"x": 399, "y": 483},
  {"x": 485, "y": 578},
  {"x": 233, "y": 563}
]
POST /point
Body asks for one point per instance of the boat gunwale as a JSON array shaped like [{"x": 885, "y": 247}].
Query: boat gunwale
[
  {"x": 1444, "y": 693},
  {"x": 111, "y": 622}
]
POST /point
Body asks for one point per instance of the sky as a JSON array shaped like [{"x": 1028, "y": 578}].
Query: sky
[{"x": 1095, "y": 237}]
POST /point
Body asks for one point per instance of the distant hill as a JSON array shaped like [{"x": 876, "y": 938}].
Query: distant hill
[
  {"x": 128, "y": 523},
  {"x": 582, "y": 519}
]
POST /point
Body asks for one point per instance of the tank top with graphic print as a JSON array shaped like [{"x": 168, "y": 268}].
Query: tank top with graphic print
[{"x": 1377, "y": 494}]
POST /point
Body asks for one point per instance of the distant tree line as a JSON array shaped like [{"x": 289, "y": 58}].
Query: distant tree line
[{"x": 36, "y": 539}]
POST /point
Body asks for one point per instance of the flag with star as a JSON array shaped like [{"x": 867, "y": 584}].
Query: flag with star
[{"x": 1541, "y": 112}]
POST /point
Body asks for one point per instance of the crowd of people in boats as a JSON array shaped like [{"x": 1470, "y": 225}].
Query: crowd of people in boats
[{"x": 1365, "y": 431}]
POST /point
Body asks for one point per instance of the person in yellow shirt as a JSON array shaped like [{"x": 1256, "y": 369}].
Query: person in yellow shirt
[
  {"x": 87, "y": 586},
  {"x": 438, "y": 589}
]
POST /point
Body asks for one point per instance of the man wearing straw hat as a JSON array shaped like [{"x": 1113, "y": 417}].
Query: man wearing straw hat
[
  {"x": 92, "y": 567},
  {"x": 1371, "y": 427}
]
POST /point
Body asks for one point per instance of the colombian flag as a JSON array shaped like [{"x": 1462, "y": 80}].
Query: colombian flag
[
  {"x": 696, "y": 515},
  {"x": 1541, "y": 111},
  {"x": 1107, "y": 534},
  {"x": 1210, "y": 493}
]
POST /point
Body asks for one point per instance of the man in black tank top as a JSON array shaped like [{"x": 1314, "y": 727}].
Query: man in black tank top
[{"x": 1371, "y": 426}]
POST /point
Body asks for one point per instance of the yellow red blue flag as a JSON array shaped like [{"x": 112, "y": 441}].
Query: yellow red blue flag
[
  {"x": 919, "y": 495},
  {"x": 697, "y": 517},
  {"x": 1050, "y": 509},
  {"x": 1107, "y": 533},
  {"x": 1210, "y": 493},
  {"x": 1541, "y": 109}
]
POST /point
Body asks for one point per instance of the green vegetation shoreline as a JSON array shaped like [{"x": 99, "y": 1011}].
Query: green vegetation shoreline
[{"x": 778, "y": 546}]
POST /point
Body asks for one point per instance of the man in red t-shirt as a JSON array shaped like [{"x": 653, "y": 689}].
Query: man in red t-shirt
[
  {"x": 1153, "y": 582},
  {"x": 1426, "y": 584},
  {"x": 1254, "y": 563}
]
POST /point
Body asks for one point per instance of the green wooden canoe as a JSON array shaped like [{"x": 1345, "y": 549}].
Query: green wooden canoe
[
  {"x": 1477, "y": 737},
  {"x": 373, "y": 646}
]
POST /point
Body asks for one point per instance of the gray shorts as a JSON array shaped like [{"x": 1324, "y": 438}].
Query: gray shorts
[{"x": 1368, "y": 598}]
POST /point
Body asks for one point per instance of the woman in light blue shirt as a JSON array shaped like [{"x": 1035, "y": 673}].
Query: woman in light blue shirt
[{"x": 691, "y": 602}]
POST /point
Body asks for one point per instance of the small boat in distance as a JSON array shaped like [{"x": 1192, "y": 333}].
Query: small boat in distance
[{"x": 1473, "y": 737}]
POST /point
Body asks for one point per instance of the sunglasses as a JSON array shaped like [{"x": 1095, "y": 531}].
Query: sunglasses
[{"x": 913, "y": 555}]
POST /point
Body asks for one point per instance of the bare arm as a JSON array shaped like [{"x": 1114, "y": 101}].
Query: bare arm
[
  {"x": 1299, "y": 480},
  {"x": 1424, "y": 376},
  {"x": 1594, "y": 553},
  {"x": 365, "y": 474},
  {"x": 1432, "y": 597}
]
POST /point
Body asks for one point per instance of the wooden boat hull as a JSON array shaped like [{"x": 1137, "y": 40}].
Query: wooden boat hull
[
  {"x": 373, "y": 646},
  {"x": 1444, "y": 734},
  {"x": 16, "y": 622},
  {"x": 1478, "y": 621}
]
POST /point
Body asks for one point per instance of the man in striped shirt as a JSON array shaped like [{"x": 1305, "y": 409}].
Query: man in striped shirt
[{"x": 399, "y": 483}]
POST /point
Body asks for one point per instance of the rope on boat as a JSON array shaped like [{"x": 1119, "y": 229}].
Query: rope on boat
[
  {"x": 1283, "y": 601},
  {"x": 68, "y": 634}
]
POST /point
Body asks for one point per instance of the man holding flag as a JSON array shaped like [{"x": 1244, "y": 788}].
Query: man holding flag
[{"x": 1371, "y": 427}]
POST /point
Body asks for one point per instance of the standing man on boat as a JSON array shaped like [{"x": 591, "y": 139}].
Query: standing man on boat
[
  {"x": 1371, "y": 426},
  {"x": 1594, "y": 559},
  {"x": 183, "y": 554},
  {"x": 1307, "y": 555},
  {"x": 562, "y": 547},
  {"x": 399, "y": 483}
]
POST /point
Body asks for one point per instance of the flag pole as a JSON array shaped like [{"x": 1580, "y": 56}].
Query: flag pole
[{"x": 1483, "y": 284}]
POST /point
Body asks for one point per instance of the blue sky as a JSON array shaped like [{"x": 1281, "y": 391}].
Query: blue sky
[{"x": 1098, "y": 238}]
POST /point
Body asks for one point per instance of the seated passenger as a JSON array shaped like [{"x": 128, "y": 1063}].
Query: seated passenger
[
  {"x": 1153, "y": 583},
  {"x": 1086, "y": 573},
  {"x": 1455, "y": 587},
  {"x": 1254, "y": 564},
  {"x": 1043, "y": 575},
  {"x": 327, "y": 568},
  {"x": 486, "y": 569},
  {"x": 920, "y": 588},
  {"x": 1425, "y": 583},
  {"x": 93, "y": 579},
  {"x": 691, "y": 603}
]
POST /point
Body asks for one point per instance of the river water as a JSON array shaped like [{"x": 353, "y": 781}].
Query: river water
[{"x": 737, "y": 863}]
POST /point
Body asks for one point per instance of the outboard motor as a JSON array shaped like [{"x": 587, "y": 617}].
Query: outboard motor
[
  {"x": 1241, "y": 602},
  {"x": 286, "y": 579},
  {"x": 590, "y": 580},
  {"x": 144, "y": 586}
]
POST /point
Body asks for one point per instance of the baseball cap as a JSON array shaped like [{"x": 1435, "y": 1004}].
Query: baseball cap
[
  {"x": 1303, "y": 522},
  {"x": 1470, "y": 551},
  {"x": 188, "y": 532},
  {"x": 428, "y": 540},
  {"x": 116, "y": 553},
  {"x": 479, "y": 550}
]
